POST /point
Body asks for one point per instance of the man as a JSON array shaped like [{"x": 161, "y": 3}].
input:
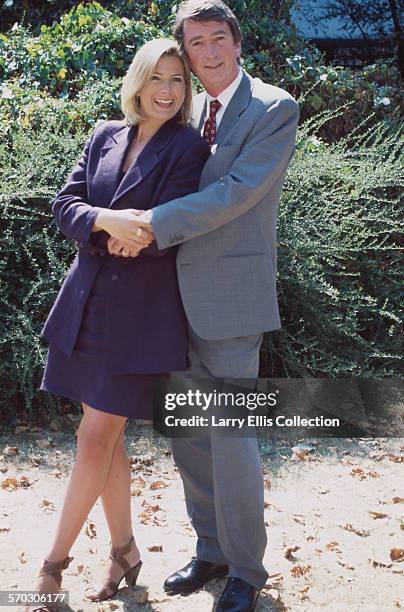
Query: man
[{"x": 227, "y": 274}]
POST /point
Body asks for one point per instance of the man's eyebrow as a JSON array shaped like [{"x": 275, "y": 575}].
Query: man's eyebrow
[{"x": 194, "y": 38}]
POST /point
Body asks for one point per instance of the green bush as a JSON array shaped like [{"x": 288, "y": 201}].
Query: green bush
[{"x": 339, "y": 264}]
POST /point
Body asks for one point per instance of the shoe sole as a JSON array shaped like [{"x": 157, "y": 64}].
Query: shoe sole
[{"x": 171, "y": 591}]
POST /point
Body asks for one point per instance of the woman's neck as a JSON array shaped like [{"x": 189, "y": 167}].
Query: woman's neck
[{"x": 146, "y": 130}]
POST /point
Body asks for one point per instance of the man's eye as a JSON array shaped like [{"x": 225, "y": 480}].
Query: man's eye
[{"x": 195, "y": 44}]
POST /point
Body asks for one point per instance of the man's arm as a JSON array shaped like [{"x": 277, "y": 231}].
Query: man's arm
[{"x": 263, "y": 159}]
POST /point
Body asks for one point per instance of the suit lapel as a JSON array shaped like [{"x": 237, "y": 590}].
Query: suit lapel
[
  {"x": 238, "y": 103},
  {"x": 147, "y": 160},
  {"x": 199, "y": 111}
]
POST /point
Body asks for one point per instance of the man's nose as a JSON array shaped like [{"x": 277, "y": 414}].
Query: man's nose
[{"x": 210, "y": 50}]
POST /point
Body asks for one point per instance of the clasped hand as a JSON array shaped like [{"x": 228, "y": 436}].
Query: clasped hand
[{"x": 128, "y": 233}]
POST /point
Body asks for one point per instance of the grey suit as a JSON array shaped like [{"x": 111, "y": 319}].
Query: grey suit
[{"x": 227, "y": 274}]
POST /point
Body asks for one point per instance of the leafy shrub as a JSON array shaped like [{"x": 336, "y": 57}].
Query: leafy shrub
[{"x": 340, "y": 267}]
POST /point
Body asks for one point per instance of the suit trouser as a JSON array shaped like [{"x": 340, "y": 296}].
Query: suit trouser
[{"x": 222, "y": 475}]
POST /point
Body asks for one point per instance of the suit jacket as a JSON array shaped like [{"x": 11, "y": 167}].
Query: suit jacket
[
  {"x": 227, "y": 259},
  {"x": 146, "y": 323}
]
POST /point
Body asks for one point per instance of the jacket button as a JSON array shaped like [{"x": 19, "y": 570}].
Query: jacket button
[{"x": 114, "y": 277}]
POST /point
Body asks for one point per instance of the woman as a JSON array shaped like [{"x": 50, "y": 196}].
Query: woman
[{"x": 119, "y": 321}]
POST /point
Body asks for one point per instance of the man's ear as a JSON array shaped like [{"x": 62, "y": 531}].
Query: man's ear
[{"x": 238, "y": 49}]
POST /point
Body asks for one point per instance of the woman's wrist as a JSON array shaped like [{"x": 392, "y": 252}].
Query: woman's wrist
[{"x": 100, "y": 219}]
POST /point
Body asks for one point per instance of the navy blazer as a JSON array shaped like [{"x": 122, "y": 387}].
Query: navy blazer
[{"x": 146, "y": 323}]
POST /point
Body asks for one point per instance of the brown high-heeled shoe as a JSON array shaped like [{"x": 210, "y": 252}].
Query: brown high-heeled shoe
[
  {"x": 54, "y": 569},
  {"x": 130, "y": 573}
]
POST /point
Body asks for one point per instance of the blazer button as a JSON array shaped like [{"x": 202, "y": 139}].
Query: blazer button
[{"x": 114, "y": 277}]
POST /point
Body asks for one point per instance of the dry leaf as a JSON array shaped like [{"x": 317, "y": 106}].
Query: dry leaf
[
  {"x": 299, "y": 518},
  {"x": 11, "y": 450},
  {"x": 396, "y": 458},
  {"x": 9, "y": 483},
  {"x": 398, "y": 500},
  {"x": 300, "y": 570},
  {"x": 359, "y": 532},
  {"x": 274, "y": 593},
  {"x": 288, "y": 553},
  {"x": 267, "y": 484},
  {"x": 35, "y": 460},
  {"x": 4, "y": 529},
  {"x": 359, "y": 473},
  {"x": 90, "y": 530},
  {"x": 378, "y": 515},
  {"x": 304, "y": 593},
  {"x": 155, "y": 548},
  {"x": 139, "y": 481},
  {"x": 56, "y": 473},
  {"x": 136, "y": 492},
  {"x": 333, "y": 546},
  {"x": 158, "y": 484},
  {"x": 397, "y": 554},
  {"x": 22, "y": 558},
  {"x": 47, "y": 505}
]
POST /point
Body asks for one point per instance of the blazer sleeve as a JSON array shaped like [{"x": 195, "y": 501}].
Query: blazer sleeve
[
  {"x": 73, "y": 213},
  {"x": 183, "y": 180},
  {"x": 262, "y": 160}
]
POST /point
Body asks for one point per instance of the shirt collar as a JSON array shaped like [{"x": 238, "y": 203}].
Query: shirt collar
[{"x": 227, "y": 94}]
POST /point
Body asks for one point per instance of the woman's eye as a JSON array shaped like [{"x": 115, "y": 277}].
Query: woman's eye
[
  {"x": 178, "y": 79},
  {"x": 154, "y": 77}
]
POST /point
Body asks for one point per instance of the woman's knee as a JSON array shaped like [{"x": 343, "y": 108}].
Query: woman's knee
[{"x": 99, "y": 432}]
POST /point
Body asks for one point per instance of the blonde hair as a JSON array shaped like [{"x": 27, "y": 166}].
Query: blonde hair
[{"x": 142, "y": 69}]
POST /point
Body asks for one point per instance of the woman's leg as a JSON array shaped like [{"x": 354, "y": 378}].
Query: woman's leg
[
  {"x": 116, "y": 502},
  {"x": 97, "y": 436}
]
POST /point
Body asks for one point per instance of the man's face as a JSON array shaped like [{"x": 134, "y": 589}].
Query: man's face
[{"x": 212, "y": 52}]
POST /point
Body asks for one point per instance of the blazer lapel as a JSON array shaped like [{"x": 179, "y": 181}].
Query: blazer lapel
[
  {"x": 147, "y": 160},
  {"x": 113, "y": 153},
  {"x": 238, "y": 103},
  {"x": 198, "y": 111}
]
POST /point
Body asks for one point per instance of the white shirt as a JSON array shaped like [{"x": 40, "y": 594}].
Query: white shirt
[{"x": 224, "y": 99}]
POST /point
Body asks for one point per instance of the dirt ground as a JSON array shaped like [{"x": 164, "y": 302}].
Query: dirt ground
[{"x": 334, "y": 516}]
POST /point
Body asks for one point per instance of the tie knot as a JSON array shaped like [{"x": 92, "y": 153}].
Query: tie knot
[{"x": 214, "y": 107}]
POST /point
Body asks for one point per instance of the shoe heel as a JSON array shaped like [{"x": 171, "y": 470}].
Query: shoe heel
[{"x": 132, "y": 574}]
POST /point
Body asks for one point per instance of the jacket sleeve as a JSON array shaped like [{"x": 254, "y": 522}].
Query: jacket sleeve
[
  {"x": 261, "y": 162},
  {"x": 73, "y": 213},
  {"x": 183, "y": 180}
]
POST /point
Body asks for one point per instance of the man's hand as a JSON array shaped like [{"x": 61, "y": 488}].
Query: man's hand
[
  {"x": 126, "y": 226},
  {"x": 122, "y": 249}
]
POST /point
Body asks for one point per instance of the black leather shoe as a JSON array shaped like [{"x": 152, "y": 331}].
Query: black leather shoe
[
  {"x": 193, "y": 576},
  {"x": 238, "y": 596}
]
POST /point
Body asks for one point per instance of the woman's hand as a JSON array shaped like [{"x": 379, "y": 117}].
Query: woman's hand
[
  {"x": 124, "y": 225},
  {"x": 122, "y": 249}
]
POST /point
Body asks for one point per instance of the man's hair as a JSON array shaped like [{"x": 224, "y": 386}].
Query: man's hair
[{"x": 205, "y": 10}]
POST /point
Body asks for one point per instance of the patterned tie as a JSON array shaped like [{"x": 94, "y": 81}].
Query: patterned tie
[{"x": 209, "y": 131}]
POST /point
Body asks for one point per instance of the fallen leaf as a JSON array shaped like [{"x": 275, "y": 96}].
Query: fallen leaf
[
  {"x": 359, "y": 532},
  {"x": 333, "y": 546},
  {"x": 47, "y": 505},
  {"x": 56, "y": 473},
  {"x": 299, "y": 518},
  {"x": 398, "y": 500},
  {"x": 22, "y": 558},
  {"x": 155, "y": 548},
  {"x": 139, "y": 481},
  {"x": 90, "y": 530},
  {"x": 4, "y": 529},
  {"x": 396, "y": 458},
  {"x": 267, "y": 484},
  {"x": 288, "y": 553},
  {"x": 9, "y": 483},
  {"x": 35, "y": 460},
  {"x": 136, "y": 492},
  {"x": 397, "y": 554},
  {"x": 300, "y": 570},
  {"x": 158, "y": 484},
  {"x": 378, "y": 515},
  {"x": 274, "y": 593},
  {"x": 11, "y": 450}
]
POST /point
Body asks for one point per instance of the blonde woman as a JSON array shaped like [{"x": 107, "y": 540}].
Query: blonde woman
[{"x": 118, "y": 319}]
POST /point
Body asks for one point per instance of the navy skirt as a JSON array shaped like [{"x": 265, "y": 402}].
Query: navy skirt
[{"x": 85, "y": 377}]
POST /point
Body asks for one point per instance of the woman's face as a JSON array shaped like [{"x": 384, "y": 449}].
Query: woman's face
[{"x": 163, "y": 95}]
